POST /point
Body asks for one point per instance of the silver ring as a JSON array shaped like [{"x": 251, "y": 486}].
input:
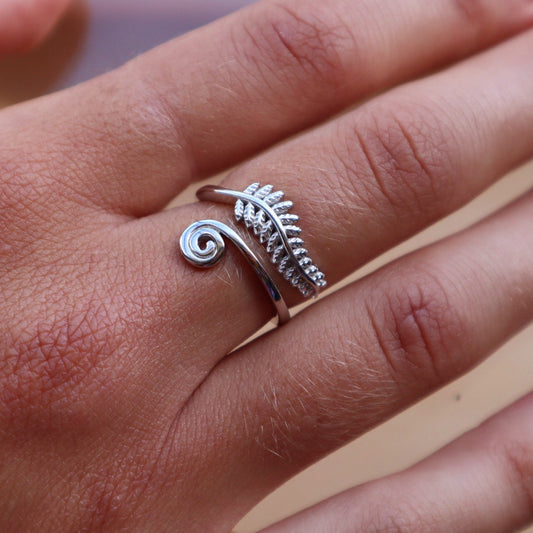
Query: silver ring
[{"x": 266, "y": 213}]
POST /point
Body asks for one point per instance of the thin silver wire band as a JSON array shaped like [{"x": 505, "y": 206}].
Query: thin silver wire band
[{"x": 203, "y": 246}]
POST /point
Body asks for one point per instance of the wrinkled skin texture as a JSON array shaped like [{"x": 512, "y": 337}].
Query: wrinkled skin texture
[{"x": 120, "y": 409}]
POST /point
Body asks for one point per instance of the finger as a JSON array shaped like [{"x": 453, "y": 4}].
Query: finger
[
  {"x": 482, "y": 482},
  {"x": 25, "y": 23},
  {"x": 354, "y": 359},
  {"x": 365, "y": 182},
  {"x": 210, "y": 99}
]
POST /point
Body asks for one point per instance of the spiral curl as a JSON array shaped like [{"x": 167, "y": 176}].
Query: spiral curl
[{"x": 202, "y": 243}]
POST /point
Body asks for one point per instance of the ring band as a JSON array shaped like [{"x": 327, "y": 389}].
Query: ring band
[
  {"x": 209, "y": 233},
  {"x": 267, "y": 214}
]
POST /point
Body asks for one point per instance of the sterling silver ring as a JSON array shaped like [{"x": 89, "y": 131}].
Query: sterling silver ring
[{"x": 266, "y": 213}]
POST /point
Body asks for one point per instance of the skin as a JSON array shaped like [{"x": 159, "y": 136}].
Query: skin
[
  {"x": 120, "y": 409},
  {"x": 25, "y": 23}
]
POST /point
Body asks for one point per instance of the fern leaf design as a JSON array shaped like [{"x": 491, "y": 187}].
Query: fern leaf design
[
  {"x": 239, "y": 204},
  {"x": 289, "y": 219},
  {"x": 239, "y": 210},
  {"x": 293, "y": 231},
  {"x": 273, "y": 242},
  {"x": 283, "y": 264},
  {"x": 274, "y": 198},
  {"x": 282, "y": 207},
  {"x": 249, "y": 215},
  {"x": 263, "y": 192},
  {"x": 296, "y": 242},
  {"x": 267, "y": 214},
  {"x": 266, "y": 232},
  {"x": 259, "y": 221}
]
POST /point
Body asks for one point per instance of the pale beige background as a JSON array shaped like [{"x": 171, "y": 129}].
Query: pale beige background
[{"x": 119, "y": 29}]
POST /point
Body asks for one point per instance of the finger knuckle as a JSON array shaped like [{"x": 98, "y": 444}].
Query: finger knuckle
[
  {"x": 299, "y": 43},
  {"x": 407, "y": 159},
  {"x": 400, "y": 520},
  {"x": 414, "y": 328}
]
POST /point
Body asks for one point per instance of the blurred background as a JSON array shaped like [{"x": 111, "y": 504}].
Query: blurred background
[{"x": 98, "y": 35}]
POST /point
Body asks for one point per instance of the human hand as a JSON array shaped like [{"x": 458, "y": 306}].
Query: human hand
[{"x": 119, "y": 407}]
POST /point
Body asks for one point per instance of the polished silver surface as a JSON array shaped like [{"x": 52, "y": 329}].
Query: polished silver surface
[
  {"x": 202, "y": 244},
  {"x": 267, "y": 213}
]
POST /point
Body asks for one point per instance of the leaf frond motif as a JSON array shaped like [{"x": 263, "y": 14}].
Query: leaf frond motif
[
  {"x": 239, "y": 204},
  {"x": 289, "y": 219},
  {"x": 249, "y": 215},
  {"x": 263, "y": 192},
  {"x": 269, "y": 218},
  {"x": 282, "y": 207},
  {"x": 274, "y": 198}
]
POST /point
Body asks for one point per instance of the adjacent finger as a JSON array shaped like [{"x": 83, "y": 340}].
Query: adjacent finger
[
  {"x": 357, "y": 357},
  {"x": 364, "y": 182},
  {"x": 208, "y": 100},
  {"x": 482, "y": 482},
  {"x": 24, "y": 23}
]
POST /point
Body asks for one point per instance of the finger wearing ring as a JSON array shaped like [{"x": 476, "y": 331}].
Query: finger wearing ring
[{"x": 361, "y": 184}]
